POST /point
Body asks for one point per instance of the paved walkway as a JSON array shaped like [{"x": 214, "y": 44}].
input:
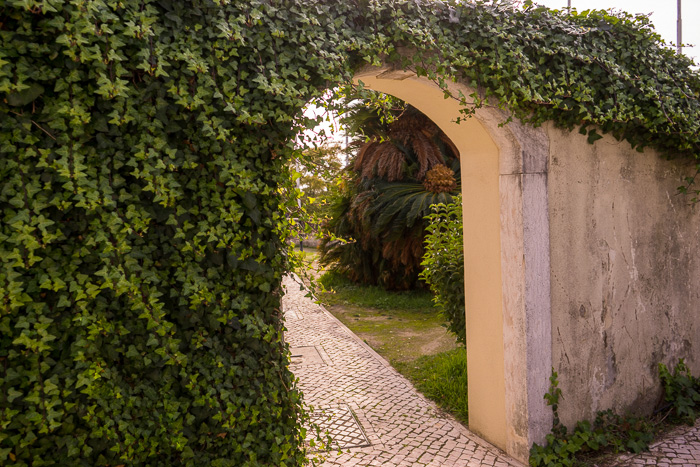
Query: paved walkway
[
  {"x": 373, "y": 413},
  {"x": 680, "y": 447}
]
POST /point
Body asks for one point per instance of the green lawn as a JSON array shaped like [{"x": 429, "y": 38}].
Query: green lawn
[
  {"x": 404, "y": 328},
  {"x": 441, "y": 378}
]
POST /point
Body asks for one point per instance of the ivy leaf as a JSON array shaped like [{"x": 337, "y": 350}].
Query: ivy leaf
[
  {"x": 25, "y": 96},
  {"x": 593, "y": 136}
]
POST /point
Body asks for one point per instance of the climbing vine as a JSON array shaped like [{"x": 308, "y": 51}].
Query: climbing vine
[{"x": 143, "y": 194}]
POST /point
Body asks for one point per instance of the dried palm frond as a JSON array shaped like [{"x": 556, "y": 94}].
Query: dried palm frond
[
  {"x": 358, "y": 213},
  {"x": 390, "y": 167},
  {"x": 403, "y": 127},
  {"x": 427, "y": 152},
  {"x": 371, "y": 160},
  {"x": 430, "y": 129},
  {"x": 362, "y": 153},
  {"x": 403, "y": 258},
  {"x": 450, "y": 146},
  {"x": 398, "y": 167}
]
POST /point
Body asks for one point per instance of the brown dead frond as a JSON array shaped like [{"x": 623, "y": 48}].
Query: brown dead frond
[
  {"x": 404, "y": 253},
  {"x": 449, "y": 145},
  {"x": 372, "y": 160},
  {"x": 407, "y": 255},
  {"x": 427, "y": 152},
  {"x": 359, "y": 205},
  {"x": 430, "y": 129},
  {"x": 358, "y": 212},
  {"x": 403, "y": 128},
  {"x": 391, "y": 165},
  {"x": 389, "y": 251},
  {"x": 417, "y": 246},
  {"x": 400, "y": 131},
  {"x": 362, "y": 153}
]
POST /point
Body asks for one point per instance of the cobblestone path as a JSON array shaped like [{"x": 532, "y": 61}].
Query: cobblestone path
[
  {"x": 372, "y": 412},
  {"x": 679, "y": 448}
]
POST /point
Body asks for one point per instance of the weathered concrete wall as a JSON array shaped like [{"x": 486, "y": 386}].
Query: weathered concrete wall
[{"x": 625, "y": 282}]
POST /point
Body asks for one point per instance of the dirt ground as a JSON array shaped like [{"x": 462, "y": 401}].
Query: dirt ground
[{"x": 399, "y": 336}]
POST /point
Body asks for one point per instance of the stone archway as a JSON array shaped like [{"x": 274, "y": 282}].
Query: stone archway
[{"x": 506, "y": 234}]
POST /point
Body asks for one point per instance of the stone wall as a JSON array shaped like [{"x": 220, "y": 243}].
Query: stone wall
[{"x": 625, "y": 279}]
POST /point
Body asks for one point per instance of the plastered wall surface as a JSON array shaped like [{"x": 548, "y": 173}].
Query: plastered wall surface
[{"x": 625, "y": 273}]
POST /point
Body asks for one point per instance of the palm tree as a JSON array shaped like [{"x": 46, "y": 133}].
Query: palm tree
[{"x": 401, "y": 167}]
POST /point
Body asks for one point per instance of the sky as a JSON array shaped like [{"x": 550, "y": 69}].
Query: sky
[{"x": 664, "y": 15}]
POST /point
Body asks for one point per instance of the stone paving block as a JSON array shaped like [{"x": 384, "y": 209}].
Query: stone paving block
[{"x": 680, "y": 447}]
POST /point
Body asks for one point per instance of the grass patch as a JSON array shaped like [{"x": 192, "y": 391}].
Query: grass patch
[
  {"x": 345, "y": 292},
  {"x": 397, "y": 335},
  {"x": 441, "y": 378},
  {"x": 308, "y": 252},
  {"x": 406, "y": 329}
]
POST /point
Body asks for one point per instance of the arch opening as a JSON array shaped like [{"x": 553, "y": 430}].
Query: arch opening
[{"x": 506, "y": 252}]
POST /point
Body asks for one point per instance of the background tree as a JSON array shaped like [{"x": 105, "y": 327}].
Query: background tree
[
  {"x": 402, "y": 166},
  {"x": 319, "y": 168}
]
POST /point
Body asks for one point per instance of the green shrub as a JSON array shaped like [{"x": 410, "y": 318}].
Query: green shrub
[
  {"x": 681, "y": 391},
  {"x": 443, "y": 264}
]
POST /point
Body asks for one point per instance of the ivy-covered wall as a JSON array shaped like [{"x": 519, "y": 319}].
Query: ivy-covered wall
[
  {"x": 143, "y": 150},
  {"x": 143, "y": 182}
]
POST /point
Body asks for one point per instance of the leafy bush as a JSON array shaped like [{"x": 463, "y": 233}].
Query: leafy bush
[
  {"x": 681, "y": 391},
  {"x": 443, "y": 264},
  {"x": 610, "y": 431}
]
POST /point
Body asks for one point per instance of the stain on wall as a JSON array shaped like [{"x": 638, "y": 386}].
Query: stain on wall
[{"x": 625, "y": 273}]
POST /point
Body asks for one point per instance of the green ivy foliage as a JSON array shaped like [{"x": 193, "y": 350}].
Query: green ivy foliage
[
  {"x": 143, "y": 194},
  {"x": 681, "y": 391},
  {"x": 143, "y": 150},
  {"x": 614, "y": 433},
  {"x": 609, "y": 432}
]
